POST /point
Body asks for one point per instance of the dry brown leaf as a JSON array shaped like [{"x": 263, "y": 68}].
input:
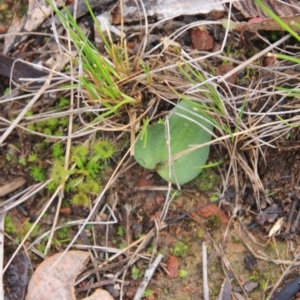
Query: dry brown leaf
[
  {"x": 3, "y": 28},
  {"x": 173, "y": 266},
  {"x": 12, "y": 186},
  {"x": 276, "y": 227},
  {"x": 207, "y": 211},
  {"x": 202, "y": 40},
  {"x": 224, "y": 69},
  {"x": 55, "y": 278}
]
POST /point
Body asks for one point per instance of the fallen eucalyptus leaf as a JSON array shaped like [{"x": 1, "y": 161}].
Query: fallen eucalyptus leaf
[
  {"x": 55, "y": 278},
  {"x": 187, "y": 127}
]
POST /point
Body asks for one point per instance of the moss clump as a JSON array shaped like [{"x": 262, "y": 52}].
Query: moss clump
[{"x": 180, "y": 249}]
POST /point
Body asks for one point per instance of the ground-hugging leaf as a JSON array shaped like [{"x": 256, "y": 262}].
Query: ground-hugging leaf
[
  {"x": 187, "y": 127},
  {"x": 55, "y": 278}
]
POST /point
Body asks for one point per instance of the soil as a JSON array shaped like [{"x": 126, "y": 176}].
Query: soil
[{"x": 233, "y": 219}]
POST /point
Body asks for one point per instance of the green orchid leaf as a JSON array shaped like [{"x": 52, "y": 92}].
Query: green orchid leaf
[{"x": 188, "y": 127}]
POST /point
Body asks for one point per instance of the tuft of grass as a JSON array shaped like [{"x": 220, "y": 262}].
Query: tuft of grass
[{"x": 99, "y": 79}]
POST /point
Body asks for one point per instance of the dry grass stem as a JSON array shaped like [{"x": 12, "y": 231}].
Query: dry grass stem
[
  {"x": 204, "y": 272},
  {"x": 2, "y": 230},
  {"x": 147, "y": 277}
]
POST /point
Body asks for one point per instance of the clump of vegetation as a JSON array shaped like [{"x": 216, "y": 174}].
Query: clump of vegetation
[
  {"x": 63, "y": 233},
  {"x": 121, "y": 231},
  {"x": 9, "y": 226},
  {"x": 38, "y": 174},
  {"x": 148, "y": 293},
  {"x": 83, "y": 177},
  {"x": 136, "y": 273},
  {"x": 182, "y": 274},
  {"x": 214, "y": 222},
  {"x": 180, "y": 249},
  {"x": 100, "y": 75},
  {"x": 53, "y": 126},
  {"x": 19, "y": 231}
]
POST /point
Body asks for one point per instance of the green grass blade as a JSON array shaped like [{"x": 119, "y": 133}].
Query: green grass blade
[{"x": 277, "y": 19}]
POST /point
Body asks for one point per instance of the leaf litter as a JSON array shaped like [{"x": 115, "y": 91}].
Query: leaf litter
[
  {"x": 55, "y": 279},
  {"x": 252, "y": 177}
]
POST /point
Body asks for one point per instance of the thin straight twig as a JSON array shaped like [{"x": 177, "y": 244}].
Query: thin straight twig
[
  {"x": 2, "y": 218},
  {"x": 148, "y": 275},
  {"x": 134, "y": 257},
  {"x": 204, "y": 272}
]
